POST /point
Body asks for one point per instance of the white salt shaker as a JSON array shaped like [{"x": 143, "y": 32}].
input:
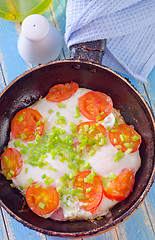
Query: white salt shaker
[{"x": 39, "y": 42}]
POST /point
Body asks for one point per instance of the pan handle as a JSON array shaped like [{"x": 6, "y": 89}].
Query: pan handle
[{"x": 89, "y": 51}]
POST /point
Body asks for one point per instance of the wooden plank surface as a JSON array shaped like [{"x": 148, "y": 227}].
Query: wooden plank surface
[{"x": 141, "y": 224}]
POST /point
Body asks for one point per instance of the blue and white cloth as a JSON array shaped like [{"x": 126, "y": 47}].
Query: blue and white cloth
[{"x": 128, "y": 26}]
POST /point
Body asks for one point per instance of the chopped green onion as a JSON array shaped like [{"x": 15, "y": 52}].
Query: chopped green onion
[
  {"x": 135, "y": 138},
  {"x": 116, "y": 122},
  {"x": 122, "y": 137},
  {"x": 48, "y": 180},
  {"x": 62, "y": 118},
  {"x": 92, "y": 152},
  {"x": 66, "y": 204},
  {"x": 128, "y": 145},
  {"x": 26, "y": 170},
  {"x": 98, "y": 117},
  {"x": 108, "y": 128},
  {"x": 37, "y": 185},
  {"x": 113, "y": 176},
  {"x": 30, "y": 180},
  {"x": 20, "y": 119},
  {"x": 57, "y": 114},
  {"x": 23, "y": 151},
  {"x": 43, "y": 176},
  {"x": 8, "y": 175},
  {"x": 50, "y": 111},
  {"x": 23, "y": 136},
  {"x": 114, "y": 130},
  {"x": 12, "y": 172},
  {"x": 118, "y": 146},
  {"x": 51, "y": 168},
  {"x": 59, "y": 189},
  {"x": 77, "y": 114},
  {"x": 118, "y": 156},
  {"x": 42, "y": 205},
  {"x": 73, "y": 128},
  {"x": 6, "y": 158},
  {"x": 128, "y": 151},
  {"x": 90, "y": 177},
  {"x": 38, "y": 123},
  {"x": 88, "y": 190},
  {"x": 61, "y": 105},
  {"x": 73, "y": 192},
  {"x": 37, "y": 137},
  {"x": 17, "y": 143}
]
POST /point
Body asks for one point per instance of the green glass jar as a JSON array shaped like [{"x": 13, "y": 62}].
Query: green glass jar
[{"x": 17, "y": 10}]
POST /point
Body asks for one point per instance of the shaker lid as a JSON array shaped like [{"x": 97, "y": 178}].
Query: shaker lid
[{"x": 35, "y": 27}]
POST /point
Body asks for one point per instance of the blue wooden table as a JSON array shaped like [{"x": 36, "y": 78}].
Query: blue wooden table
[{"x": 141, "y": 225}]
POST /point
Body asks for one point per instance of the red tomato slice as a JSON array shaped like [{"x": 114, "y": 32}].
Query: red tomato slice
[
  {"x": 42, "y": 200},
  {"x": 95, "y": 128},
  {"x": 120, "y": 188},
  {"x": 125, "y": 137},
  {"x": 95, "y": 105},
  {"x": 11, "y": 163},
  {"x": 90, "y": 133},
  {"x": 26, "y": 123},
  {"x": 61, "y": 92},
  {"x": 92, "y": 192}
]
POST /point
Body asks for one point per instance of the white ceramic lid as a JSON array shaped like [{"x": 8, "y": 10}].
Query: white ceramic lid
[{"x": 35, "y": 27}]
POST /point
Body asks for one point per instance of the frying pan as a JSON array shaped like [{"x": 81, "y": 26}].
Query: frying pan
[{"x": 27, "y": 88}]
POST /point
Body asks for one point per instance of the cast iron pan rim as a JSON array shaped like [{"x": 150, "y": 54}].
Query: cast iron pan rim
[{"x": 132, "y": 209}]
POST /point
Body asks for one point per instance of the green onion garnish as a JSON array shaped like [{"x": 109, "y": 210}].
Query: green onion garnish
[
  {"x": 128, "y": 151},
  {"x": 37, "y": 185},
  {"x": 38, "y": 123},
  {"x": 17, "y": 143},
  {"x": 20, "y": 119},
  {"x": 135, "y": 138},
  {"x": 88, "y": 190},
  {"x": 43, "y": 176},
  {"x": 118, "y": 156},
  {"x": 12, "y": 172},
  {"x": 122, "y": 137},
  {"x": 61, "y": 105},
  {"x": 30, "y": 180},
  {"x": 42, "y": 205},
  {"x": 50, "y": 111},
  {"x": 23, "y": 136}
]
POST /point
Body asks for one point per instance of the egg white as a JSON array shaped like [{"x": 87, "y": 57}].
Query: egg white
[{"x": 102, "y": 161}]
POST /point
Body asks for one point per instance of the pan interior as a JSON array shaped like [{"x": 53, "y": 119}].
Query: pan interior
[{"x": 28, "y": 88}]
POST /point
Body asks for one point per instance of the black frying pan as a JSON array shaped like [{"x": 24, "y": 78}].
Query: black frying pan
[{"x": 27, "y": 88}]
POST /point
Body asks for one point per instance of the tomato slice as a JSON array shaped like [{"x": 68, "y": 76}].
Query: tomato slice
[
  {"x": 92, "y": 192},
  {"x": 42, "y": 200},
  {"x": 89, "y": 134},
  {"x": 61, "y": 92},
  {"x": 11, "y": 163},
  {"x": 95, "y": 105},
  {"x": 125, "y": 138},
  {"x": 26, "y": 123},
  {"x": 120, "y": 188}
]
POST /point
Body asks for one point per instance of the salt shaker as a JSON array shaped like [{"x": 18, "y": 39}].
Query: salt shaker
[{"x": 39, "y": 42}]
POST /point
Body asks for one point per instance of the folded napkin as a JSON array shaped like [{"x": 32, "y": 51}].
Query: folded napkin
[{"x": 128, "y": 26}]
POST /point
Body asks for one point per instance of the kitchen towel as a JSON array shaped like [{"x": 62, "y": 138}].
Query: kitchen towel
[{"x": 128, "y": 26}]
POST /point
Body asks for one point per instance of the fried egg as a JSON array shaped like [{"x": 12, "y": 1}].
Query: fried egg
[{"x": 63, "y": 116}]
